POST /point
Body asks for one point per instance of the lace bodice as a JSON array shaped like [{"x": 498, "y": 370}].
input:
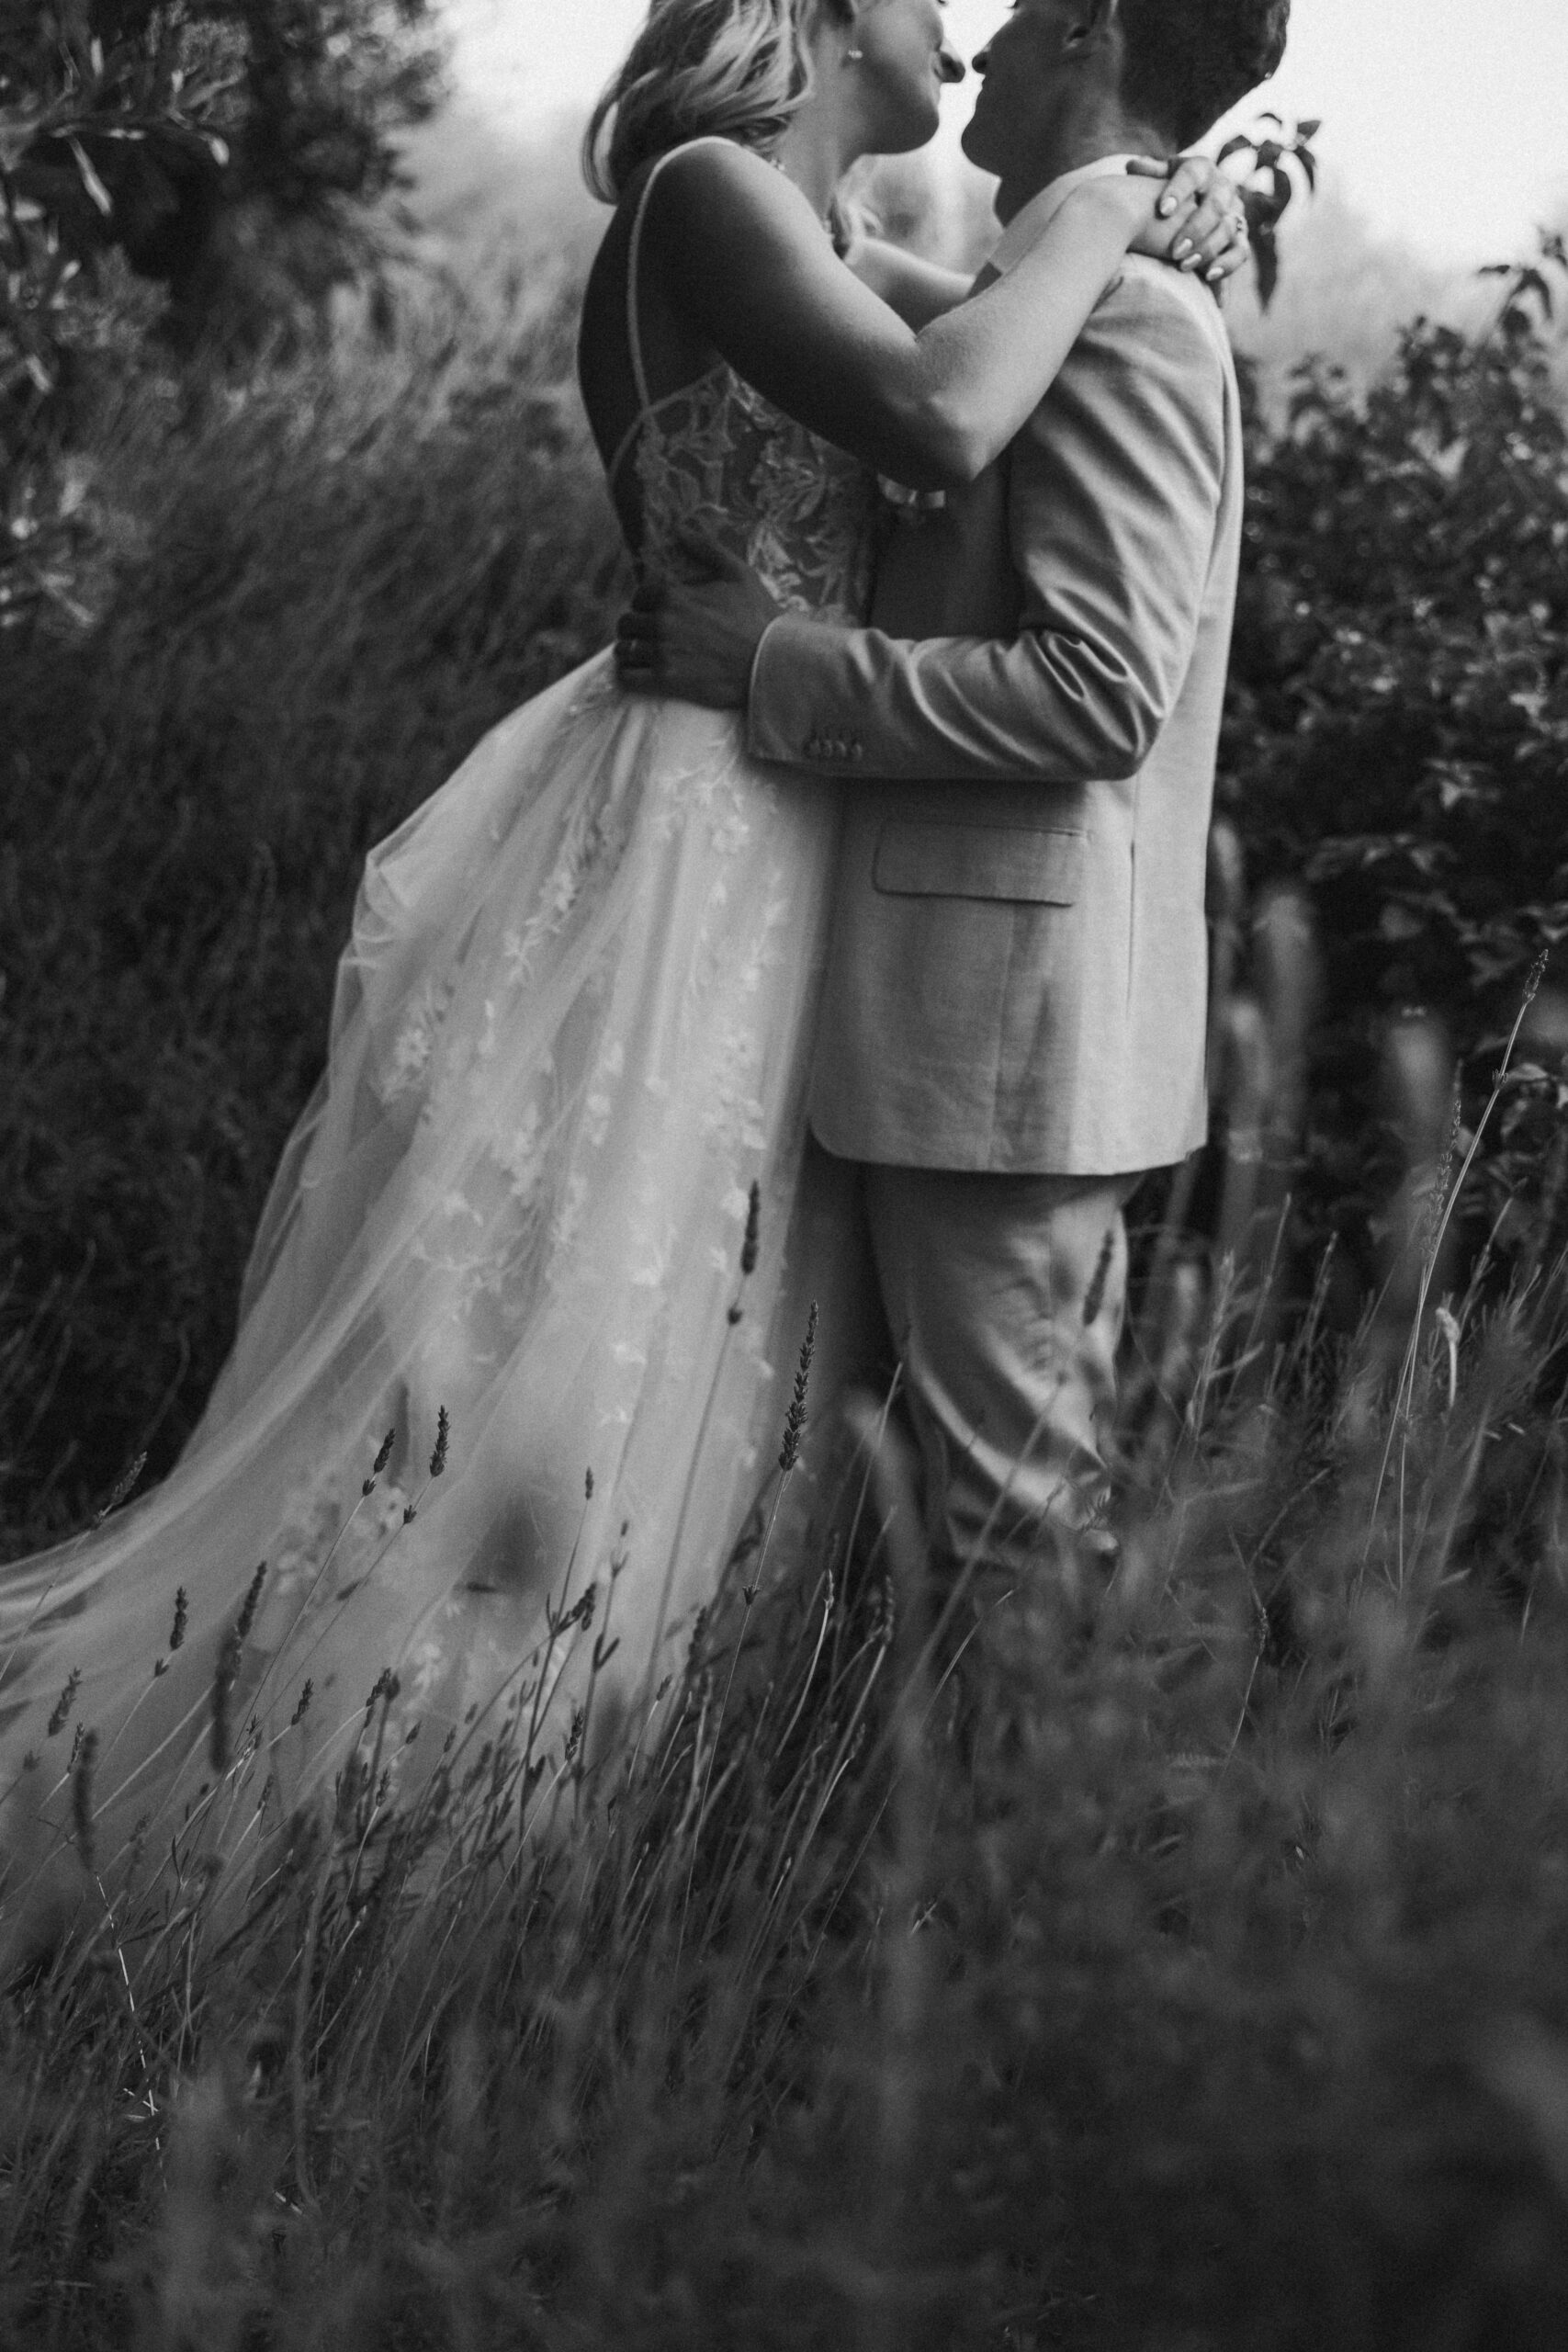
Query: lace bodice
[{"x": 716, "y": 456}]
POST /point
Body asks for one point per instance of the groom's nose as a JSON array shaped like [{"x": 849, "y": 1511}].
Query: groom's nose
[{"x": 983, "y": 59}]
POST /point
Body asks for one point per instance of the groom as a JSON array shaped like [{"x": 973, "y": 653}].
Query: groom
[{"x": 1013, "y": 1028}]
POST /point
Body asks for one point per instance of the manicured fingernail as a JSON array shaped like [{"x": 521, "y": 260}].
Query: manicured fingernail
[
  {"x": 1166, "y": 207},
  {"x": 1215, "y": 275},
  {"x": 1193, "y": 261},
  {"x": 1182, "y": 245}
]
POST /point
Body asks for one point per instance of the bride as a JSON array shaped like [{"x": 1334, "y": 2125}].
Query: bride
[{"x": 525, "y": 1301}]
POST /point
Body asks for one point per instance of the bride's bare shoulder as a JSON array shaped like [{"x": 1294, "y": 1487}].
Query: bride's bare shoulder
[
  {"x": 716, "y": 196},
  {"x": 716, "y": 161},
  {"x": 709, "y": 198},
  {"x": 713, "y": 222}
]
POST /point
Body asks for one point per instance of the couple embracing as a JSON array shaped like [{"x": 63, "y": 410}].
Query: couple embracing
[{"x": 885, "y": 824}]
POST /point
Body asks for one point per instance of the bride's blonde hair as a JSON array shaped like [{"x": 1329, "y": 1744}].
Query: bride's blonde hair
[{"x": 736, "y": 67}]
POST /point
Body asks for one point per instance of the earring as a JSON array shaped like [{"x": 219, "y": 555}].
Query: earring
[{"x": 853, "y": 56}]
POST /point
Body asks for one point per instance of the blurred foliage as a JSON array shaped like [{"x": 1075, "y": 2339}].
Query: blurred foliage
[
  {"x": 220, "y": 152},
  {"x": 1278, "y": 155},
  {"x": 1397, "y": 730}
]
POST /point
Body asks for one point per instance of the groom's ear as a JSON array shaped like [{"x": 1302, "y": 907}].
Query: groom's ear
[{"x": 1096, "y": 26}]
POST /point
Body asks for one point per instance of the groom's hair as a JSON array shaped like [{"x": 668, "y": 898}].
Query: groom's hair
[{"x": 1189, "y": 62}]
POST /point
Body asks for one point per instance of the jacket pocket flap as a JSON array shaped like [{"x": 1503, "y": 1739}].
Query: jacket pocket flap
[{"x": 1039, "y": 865}]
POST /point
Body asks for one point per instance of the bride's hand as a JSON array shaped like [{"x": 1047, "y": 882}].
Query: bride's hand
[{"x": 1199, "y": 222}]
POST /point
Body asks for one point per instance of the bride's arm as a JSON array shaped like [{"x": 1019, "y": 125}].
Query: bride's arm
[
  {"x": 917, "y": 289},
  {"x": 742, "y": 258}
]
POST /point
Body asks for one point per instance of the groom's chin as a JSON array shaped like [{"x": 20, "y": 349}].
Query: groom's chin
[
  {"x": 975, "y": 147},
  {"x": 916, "y": 133}
]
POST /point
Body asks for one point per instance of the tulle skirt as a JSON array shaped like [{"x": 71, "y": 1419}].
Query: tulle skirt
[{"x": 507, "y": 1241}]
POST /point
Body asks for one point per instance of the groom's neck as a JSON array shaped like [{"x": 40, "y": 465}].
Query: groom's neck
[{"x": 1088, "y": 137}]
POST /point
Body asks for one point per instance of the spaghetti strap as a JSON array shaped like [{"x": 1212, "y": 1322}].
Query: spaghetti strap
[
  {"x": 634, "y": 320},
  {"x": 633, "y": 267}
]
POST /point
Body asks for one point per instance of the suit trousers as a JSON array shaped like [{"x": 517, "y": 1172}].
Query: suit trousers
[{"x": 1005, "y": 1297}]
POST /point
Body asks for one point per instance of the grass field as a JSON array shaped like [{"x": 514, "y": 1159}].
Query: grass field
[
  {"x": 1180, "y": 1966},
  {"x": 1174, "y": 1963}
]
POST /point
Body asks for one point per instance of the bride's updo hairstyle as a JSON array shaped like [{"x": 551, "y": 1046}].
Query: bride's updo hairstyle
[{"x": 738, "y": 68}]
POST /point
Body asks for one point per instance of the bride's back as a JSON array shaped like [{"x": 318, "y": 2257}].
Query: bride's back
[{"x": 673, "y": 352}]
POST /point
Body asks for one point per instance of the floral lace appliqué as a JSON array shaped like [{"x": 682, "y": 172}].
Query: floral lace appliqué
[{"x": 717, "y": 456}]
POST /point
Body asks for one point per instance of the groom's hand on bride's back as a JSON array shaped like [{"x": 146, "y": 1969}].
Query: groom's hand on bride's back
[{"x": 695, "y": 637}]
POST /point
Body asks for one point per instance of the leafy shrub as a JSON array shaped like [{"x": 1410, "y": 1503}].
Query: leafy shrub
[
  {"x": 1397, "y": 734},
  {"x": 227, "y": 157}
]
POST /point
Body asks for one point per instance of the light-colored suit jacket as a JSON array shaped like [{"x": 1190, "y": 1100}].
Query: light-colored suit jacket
[{"x": 1018, "y": 976}]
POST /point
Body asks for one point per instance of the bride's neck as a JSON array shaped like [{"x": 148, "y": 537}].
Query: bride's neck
[{"x": 820, "y": 143}]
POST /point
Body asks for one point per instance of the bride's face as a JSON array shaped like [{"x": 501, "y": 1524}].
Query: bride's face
[{"x": 904, "y": 63}]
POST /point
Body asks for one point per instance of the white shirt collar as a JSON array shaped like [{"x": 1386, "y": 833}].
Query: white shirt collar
[{"x": 1027, "y": 225}]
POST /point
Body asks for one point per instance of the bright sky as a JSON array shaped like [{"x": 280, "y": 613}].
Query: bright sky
[{"x": 1445, "y": 120}]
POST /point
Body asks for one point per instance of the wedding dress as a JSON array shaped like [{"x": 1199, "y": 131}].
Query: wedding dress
[{"x": 571, "y": 1035}]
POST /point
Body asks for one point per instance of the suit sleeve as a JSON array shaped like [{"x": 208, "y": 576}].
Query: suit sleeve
[{"x": 1115, "y": 487}]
